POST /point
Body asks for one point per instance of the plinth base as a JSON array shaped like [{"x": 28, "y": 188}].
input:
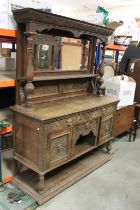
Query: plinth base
[{"x": 59, "y": 179}]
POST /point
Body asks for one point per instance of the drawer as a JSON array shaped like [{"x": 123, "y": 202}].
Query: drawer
[
  {"x": 85, "y": 128},
  {"x": 88, "y": 116},
  {"x": 61, "y": 124},
  {"x": 75, "y": 120}
]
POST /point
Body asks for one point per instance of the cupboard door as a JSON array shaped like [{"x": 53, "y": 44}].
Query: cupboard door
[
  {"x": 106, "y": 129},
  {"x": 123, "y": 120},
  {"x": 59, "y": 147}
]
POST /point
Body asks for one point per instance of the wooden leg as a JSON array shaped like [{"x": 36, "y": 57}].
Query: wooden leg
[
  {"x": 41, "y": 182},
  {"x": 135, "y": 127},
  {"x": 133, "y": 130},
  {"x": 130, "y": 134},
  {"x": 108, "y": 147}
]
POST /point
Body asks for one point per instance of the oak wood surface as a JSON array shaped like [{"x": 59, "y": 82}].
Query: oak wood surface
[
  {"x": 123, "y": 119},
  {"x": 67, "y": 106}
]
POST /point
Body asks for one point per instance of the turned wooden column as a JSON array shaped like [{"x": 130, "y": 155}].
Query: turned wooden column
[
  {"x": 41, "y": 184},
  {"x": 29, "y": 87}
]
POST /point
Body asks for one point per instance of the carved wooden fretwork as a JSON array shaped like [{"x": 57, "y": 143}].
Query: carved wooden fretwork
[
  {"x": 48, "y": 28},
  {"x": 75, "y": 119},
  {"x": 45, "y": 90},
  {"x": 75, "y": 85},
  {"x": 57, "y": 21},
  {"x": 106, "y": 127}
]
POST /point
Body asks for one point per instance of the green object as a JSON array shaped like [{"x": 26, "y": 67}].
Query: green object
[
  {"x": 26, "y": 203},
  {"x": 4, "y": 124},
  {"x": 105, "y": 14}
]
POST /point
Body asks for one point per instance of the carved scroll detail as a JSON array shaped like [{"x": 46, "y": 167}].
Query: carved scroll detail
[
  {"x": 44, "y": 91},
  {"x": 69, "y": 87}
]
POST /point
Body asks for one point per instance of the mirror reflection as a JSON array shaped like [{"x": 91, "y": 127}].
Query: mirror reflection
[
  {"x": 43, "y": 56},
  {"x": 64, "y": 54}
]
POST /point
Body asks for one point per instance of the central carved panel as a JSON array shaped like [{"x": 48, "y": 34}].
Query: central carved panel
[
  {"x": 75, "y": 86},
  {"x": 45, "y": 89}
]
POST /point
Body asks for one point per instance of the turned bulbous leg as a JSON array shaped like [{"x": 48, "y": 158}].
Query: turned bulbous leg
[{"x": 41, "y": 185}]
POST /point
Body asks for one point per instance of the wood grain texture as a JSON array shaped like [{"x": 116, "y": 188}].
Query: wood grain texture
[
  {"x": 71, "y": 105},
  {"x": 123, "y": 119}
]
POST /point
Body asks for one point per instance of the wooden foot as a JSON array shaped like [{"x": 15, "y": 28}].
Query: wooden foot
[
  {"x": 133, "y": 130},
  {"x": 130, "y": 134},
  {"x": 109, "y": 147},
  {"x": 41, "y": 184}
]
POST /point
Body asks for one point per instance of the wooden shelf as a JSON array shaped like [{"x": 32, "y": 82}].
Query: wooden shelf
[
  {"x": 115, "y": 47},
  {"x": 61, "y": 77}
]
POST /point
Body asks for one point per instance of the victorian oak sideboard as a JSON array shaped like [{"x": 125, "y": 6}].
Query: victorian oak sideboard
[{"x": 58, "y": 120}]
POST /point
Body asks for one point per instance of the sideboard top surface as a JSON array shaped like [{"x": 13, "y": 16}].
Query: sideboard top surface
[{"x": 60, "y": 108}]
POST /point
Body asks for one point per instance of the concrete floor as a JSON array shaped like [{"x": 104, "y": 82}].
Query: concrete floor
[{"x": 114, "y": 186}]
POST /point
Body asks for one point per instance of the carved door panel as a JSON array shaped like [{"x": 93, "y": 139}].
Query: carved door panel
[
  {"x": 59, "y": 147},
  {"x": 106, "y": 129}
]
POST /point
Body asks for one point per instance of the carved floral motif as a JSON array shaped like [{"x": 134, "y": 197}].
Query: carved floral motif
[
  {"x": 58, "y": 148},
  {"x": 44, "y": 91},
  {"x": 106, "y": 128},
  {"x": 70, "y": 87}
]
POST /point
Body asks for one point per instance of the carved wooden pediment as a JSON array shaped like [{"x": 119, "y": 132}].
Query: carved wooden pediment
[{"x": 46, "y": 20}]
